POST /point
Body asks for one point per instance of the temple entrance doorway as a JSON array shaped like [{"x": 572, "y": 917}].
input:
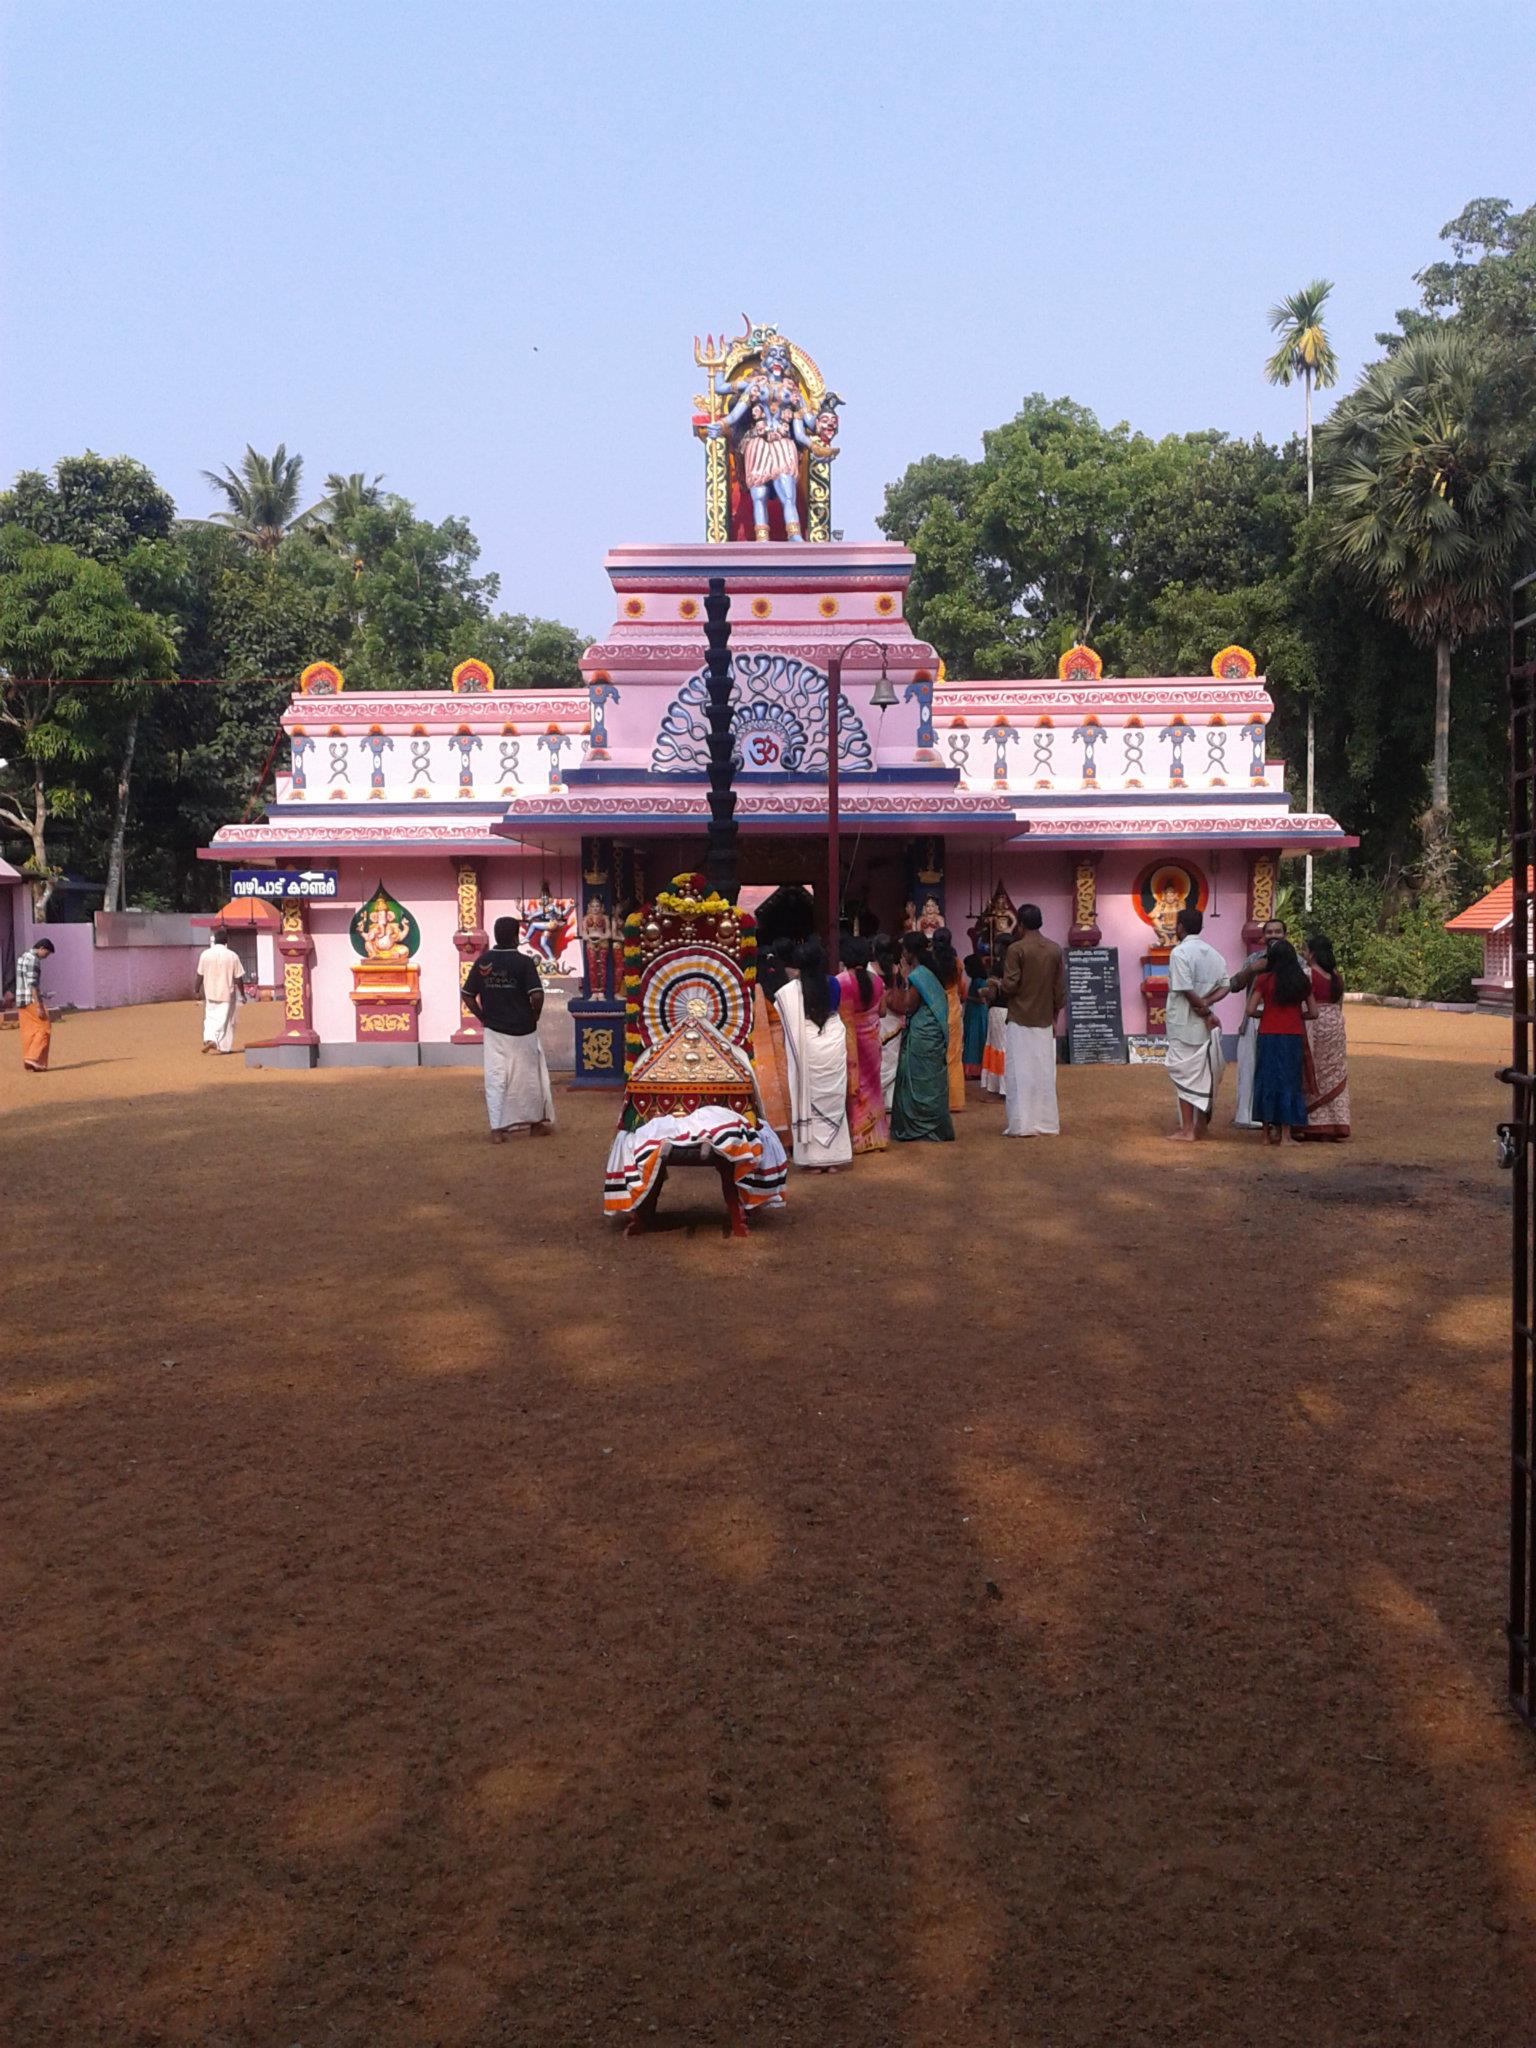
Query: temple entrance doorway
[
  {"x": 789, "y": 911},
  {"x": 780, "y": 876}
]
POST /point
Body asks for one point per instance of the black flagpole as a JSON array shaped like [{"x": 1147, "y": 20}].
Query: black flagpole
[{"x": 720, "y": 861}]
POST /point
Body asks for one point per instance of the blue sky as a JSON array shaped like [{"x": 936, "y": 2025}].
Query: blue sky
[{"x": 469, "y": 244}]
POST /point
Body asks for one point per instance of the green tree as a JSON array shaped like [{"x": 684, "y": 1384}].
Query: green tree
[
  {"x": 1428, "y": 516},
  {"x": 111, "y": 509},
  {"x": 63, "y": 618},
  {"x": 1488, "y": 289},
  {"x": 143, "y": 776},
  {"x": 417, "y": 604},
  {"x": 253, "y": 622},
  {"x": 1066, "y": 530},
  {"x": 412, "y": 585},
  {"x": 1304, "y": 349},
  {"x": 345, "y": 497},
  {"x": 261, "y": 497},
  {"x": 1491, "y": 278},
  {"x": 526, "y": 653},
  {"x": 101, "y": 506}
]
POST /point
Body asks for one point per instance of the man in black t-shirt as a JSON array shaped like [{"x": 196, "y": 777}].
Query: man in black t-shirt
[{"x": 504, "y": 991}]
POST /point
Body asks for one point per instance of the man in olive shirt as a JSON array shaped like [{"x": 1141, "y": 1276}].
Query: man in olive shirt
[{"x": 1034, "y": 980}]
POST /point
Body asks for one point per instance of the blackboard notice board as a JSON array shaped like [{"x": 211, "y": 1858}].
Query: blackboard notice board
[{"x": 1095, "y": 1027}]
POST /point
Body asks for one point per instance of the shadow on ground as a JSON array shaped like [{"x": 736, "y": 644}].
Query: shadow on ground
[{"x": 1026, "y": 1593}]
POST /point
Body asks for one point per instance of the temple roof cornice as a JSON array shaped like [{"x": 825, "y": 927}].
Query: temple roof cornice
[
  {"x": 1148, "y": 698},
  {"x": 440, "y": 711}
]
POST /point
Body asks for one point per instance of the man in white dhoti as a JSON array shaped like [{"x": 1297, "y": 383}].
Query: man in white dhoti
[
  {"x": 1034, "y": 981},
  {"x": 1248, "y": 1031},
  {"x": 1197, "y": 980},
  {"x": 504, "y": 991},
  {"x": 223, "y": 978}
]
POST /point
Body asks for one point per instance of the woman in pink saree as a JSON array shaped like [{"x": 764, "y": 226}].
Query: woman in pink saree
[
  {"x": 860, "y": 992},
  {"x": 1327, "y": 1078}
]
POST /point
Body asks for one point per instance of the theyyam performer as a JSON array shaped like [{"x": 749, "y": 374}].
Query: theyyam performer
[{"x": 691, "y": 1096}]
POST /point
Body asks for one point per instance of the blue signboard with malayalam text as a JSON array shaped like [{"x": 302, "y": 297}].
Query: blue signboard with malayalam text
[{"x": 274, "y": 884}]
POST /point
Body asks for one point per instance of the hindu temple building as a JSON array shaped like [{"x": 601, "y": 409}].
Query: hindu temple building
[{"x": 402, "y": 825}]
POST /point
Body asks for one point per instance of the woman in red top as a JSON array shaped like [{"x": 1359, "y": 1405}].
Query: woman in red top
[{"x": 1281, "y": 999}]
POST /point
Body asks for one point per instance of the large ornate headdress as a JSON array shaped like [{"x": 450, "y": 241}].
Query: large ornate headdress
[{"x": 689, "y": 946}]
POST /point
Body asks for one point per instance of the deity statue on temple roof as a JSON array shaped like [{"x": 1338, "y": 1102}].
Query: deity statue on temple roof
[
  {"x": 774, "y": 424},
  {"x": 774, "y": 438}
]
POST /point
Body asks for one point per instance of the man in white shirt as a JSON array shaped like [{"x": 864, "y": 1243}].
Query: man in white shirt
[
  {"x": 223, "y": 979},
  {"x": 1197, "y": 980}
]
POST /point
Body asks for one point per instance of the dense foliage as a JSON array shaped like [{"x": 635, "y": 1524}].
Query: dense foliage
[
  {"x": 1159, "y": 552},
  {"x": 140, "y": 777},
  {"x": 1388, "y": 942}
]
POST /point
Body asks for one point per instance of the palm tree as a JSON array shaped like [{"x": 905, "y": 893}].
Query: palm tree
[
  {"x": 263, "y": 497},
  {"x": 345, "y": 497},
  {"x": 1305, "y": 350},
  {"x": 1428, "y": 516}
]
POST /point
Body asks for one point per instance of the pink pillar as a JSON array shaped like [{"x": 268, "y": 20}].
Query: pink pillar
[
  {"x": 470, "y": 940},
  {"x": 296, "y": 953},
  {"x": 1085, "y": 902},
  {"x": 1263, "y": 880}
]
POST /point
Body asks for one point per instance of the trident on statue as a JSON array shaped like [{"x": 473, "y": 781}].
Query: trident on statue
[{"x": 711, "y": 356}]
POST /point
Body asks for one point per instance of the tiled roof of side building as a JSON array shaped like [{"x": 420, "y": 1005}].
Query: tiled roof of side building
[{"x": 1488, "y": 913}]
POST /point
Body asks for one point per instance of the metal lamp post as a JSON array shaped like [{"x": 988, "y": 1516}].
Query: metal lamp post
[{"x": 883, "y": 698}]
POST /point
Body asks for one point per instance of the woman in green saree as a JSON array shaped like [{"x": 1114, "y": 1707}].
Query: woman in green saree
[{"x": 920, "y": 1105}]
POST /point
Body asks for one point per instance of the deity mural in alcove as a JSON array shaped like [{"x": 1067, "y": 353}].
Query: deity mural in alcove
[
  {"x": 1162, "y": 890},
  {"x": 384, "y": 929}
]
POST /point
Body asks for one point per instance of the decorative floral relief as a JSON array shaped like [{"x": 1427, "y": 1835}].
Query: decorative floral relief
[{"x": 778, "y": 719}]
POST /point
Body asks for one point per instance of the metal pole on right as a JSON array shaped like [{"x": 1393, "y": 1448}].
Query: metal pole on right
[
  {"x": 834, "y": 857},
  {"x": 1311, "y": 752}
]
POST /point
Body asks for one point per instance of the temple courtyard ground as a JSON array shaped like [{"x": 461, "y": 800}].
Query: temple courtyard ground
[{"x": 1045, "y": 1594}]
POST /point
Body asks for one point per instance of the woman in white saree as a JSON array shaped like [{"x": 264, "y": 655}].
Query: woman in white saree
[{"x": 816, "y": 1048}]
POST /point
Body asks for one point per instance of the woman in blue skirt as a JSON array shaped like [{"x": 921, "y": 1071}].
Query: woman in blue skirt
[{"x": 1281, "y": 999}]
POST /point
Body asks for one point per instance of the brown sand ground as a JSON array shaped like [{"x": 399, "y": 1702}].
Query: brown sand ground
[{"x": 429, "y": 1619}]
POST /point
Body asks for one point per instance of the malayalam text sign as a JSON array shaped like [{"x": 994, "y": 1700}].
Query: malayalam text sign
[
  {"x": 277, "y": 884},
  {"x": 1095, "y": 1024}
]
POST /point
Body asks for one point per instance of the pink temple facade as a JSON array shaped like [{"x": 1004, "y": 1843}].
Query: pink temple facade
[{"x": 1106, "y": 801}]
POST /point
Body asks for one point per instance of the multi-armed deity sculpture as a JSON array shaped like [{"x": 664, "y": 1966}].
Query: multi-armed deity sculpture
[{"x": 768, "y": 423}]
